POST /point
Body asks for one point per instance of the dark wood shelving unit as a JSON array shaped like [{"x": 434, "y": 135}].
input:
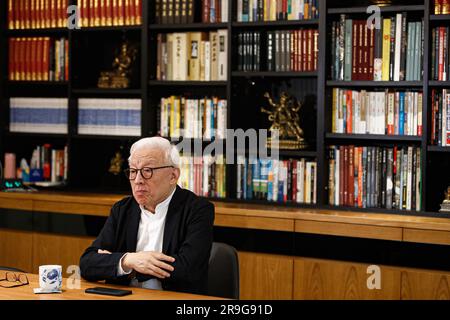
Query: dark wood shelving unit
[{"x": 235, "y": 89}]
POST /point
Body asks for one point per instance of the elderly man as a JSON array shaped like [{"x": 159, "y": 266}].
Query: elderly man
[{"x": 161, "y": 237}]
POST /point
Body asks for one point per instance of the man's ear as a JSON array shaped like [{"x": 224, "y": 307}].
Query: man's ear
[{"x": 175, "y": 175}]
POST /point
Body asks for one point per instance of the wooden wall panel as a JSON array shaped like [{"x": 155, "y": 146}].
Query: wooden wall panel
[
  {"x": 264, "y": 276},
  {"x": 316, "y": 279},
  {"x": 16, "y": 249},
  {"x": 58, "y": 249},
  {"x": 424, "y": 285}
]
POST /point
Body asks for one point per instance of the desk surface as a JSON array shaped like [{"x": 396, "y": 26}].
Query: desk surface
[{"x": 26, "y": 292}]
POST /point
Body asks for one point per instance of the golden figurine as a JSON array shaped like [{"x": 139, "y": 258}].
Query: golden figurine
[
  {"x": 116, "y": 164},
  {"x": 285, "y": 118},
  {"x": 119, "y": 78}
]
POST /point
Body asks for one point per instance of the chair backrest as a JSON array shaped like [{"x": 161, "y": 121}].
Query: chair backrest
[
  {"x": 223, "y": 275},
  {"x": 11, "y": 269}
]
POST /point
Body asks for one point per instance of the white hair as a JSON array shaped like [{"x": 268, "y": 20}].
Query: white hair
[{"x": 171, "y": 153}]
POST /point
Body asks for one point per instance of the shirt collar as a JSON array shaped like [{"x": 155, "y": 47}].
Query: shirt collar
[{"x": 162, "y": 205}]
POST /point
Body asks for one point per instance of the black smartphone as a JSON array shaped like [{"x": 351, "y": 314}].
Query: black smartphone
[{"x": 108, "y": 291}]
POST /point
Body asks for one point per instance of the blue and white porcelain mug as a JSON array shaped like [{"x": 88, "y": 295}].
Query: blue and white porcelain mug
[{"x": 50, "y": 277}]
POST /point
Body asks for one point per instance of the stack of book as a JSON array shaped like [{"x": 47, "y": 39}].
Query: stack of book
[
  {"x": 439, "y": 54},
  {"x": 102, "y": 13},
  {"x": 204, "y": 175},
  {"x": 38, "y": 59},
  {"x": 440, "y": 117},
  {"x": 392, "y": 53},
  {"x": 277, "y": 180},
  {"x": 194, "y": 56},
  {"x": 388, "y": 112},
  {"x": 273, "y": 10},
  {"x": 116, "y": 117},
  {"x": 193, "y": 118},
  {"x": 375, "y": 177},
  {"x": 37, "y": 14},
  {"x": 38, "y": 115},
  {"x": 51, "y": 164}
]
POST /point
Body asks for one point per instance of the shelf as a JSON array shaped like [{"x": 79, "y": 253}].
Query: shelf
[
  {"x": 36, "y": 134},
  {"x": 440, "y": 17},
  {"x": 108, "y": 28},
  {"x": 289, "y": 204},
  {"x": 187, "y": 83},
  {"x": 101, "y": 91},
  {"x": 188, "y": 26},
  {"x": 414, "y": 84},
  {"x": 435, "y": 83},
  {"x": 438, "y": 149},
  {"x": 288, "y": 23},
  {"x": 37, "y": 32},
  {"x": 389, "y": 211},
  {"x": 274, "y": 74},
  {"x": 38, "y": 83},
  {"x": 104, "y": 137},
  {"x": 397, "y": 8},
  {"x": 373, "y": 137}
]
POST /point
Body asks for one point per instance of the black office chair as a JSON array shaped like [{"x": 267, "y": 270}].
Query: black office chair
[
  {"x": 11, "y": 269},
  {"x": 223, "y": 275}
]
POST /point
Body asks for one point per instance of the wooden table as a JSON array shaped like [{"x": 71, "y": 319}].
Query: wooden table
[{"x": 26, "y": 292}]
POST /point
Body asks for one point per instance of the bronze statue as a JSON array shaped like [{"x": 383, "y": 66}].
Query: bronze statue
[
  {"x": 119, "y": 78},
  {"x": 116, "y": 164},
  {"x": 285, "y": 118}
]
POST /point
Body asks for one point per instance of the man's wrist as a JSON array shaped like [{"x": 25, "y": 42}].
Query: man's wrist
[{"x": 125, "y": 263}]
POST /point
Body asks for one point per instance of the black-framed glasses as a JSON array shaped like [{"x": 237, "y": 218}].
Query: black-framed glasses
[
  {"x": 14, "y": 280},
  {"x": 146, "y": 172}
]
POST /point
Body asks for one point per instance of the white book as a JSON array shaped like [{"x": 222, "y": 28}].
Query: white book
[
  {"x": 207, "y": 61},
  {"x": 445, "y": 102},
  {"x": 301, "y": 181},
  {"x": 224, "y": 4},
  {"x": 239, "y": 10},
  {"x": 179, "y": 56},
  {"x": 308, "y": 182},
  {"x": 314, "y": 176},
  {"x": 409, "y": 179},
  {"x": 223, "y": 55},
  {"x": 398, "y": 42}
]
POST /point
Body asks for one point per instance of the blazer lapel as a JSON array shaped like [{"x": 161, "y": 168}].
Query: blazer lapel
[
  {"x": 171, "y": 218},
  {"x": 133, "y": 227}
]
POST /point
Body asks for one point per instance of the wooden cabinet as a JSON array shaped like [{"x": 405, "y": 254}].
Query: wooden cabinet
[
  {"x": 424, "y": 285},
  {"x": 16, "y": 249}
]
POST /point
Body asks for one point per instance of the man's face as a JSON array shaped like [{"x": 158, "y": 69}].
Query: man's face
[{"x": 149, "y": 192}]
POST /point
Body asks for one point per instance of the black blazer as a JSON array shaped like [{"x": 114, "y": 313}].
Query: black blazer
[{"x": 188, "y": 236}]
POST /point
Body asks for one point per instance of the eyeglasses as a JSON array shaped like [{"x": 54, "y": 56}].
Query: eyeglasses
[
  {"x": 19, "y": 280},
  {"x": 146, "y": 172}
]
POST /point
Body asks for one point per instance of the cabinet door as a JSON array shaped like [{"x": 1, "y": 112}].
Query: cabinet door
[
  {"x": 326, "y": 279},
  {"x": 425, "y": 285},
  {"x": 264, "y": 276},
  {"x": 16, "y": 249}
]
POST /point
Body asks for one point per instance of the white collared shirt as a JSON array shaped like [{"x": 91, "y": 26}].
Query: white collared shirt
[{"x": 149, "y": 238}]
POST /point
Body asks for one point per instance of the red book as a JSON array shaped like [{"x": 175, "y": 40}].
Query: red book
[
  {"x": 53, "y": 10},
  {"x": 284, "y": 9},
  {"x": 218, "y": 11},
  {"x": 127, "y": 9},
  {"x": 26, "y": 13},
  {"x": 133, "y": 12},
  {"x": 38, "y": 59},
  {"x": 120, "y": 12},
  {"x": 138, "y": 7},
  {"x": 300, "y": 50},
  {"x": 33, "y": 59},
  {"x": 19, "y": 54},
  {"x": 102, "y": 12},
  {"x": 291, "y": 48},
  {"x": 345, "y": 176},
  {"x": 90, "y": 5},
  {"x": 45, "y": 58},
  {"x": 351, "y": 176},
  {"x": 109, "y": 13},
  {"x": 10, "y": 14},
  {"x": 341, "y": 174},
  {"x": 205, "y": 10},
  {"x": 11, "y": 66}
]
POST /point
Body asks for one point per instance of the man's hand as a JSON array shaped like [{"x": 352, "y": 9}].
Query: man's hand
[
  {"x": 148, "y": 262},
  {"x": 103, "y": 251}
]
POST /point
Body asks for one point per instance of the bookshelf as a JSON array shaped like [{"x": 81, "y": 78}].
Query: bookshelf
[{"x": 91, "y": 50}]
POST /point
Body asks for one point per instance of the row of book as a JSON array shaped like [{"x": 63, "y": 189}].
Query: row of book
[
  {"x": 392, "y": 53},
  {"x": 440, "y": 117},
  {"x": 48, "y": 164},
  {"x": 375, "y": 177},
  {"x": 193, "y": 118},
  {"x": 175, "y": 11},
  {"x": 441, "y": 6},
  {"x": 293, "y": 180},
  {"x": 287, "y": 50},
  {"x": 115, "y": 117},
  {"x": 383, "y": 112},
  {"x": 273, "y": 10},
  {"x": 101, "y": 13},
  {"x": 38, "y": 115},
  {"x": 440, "y": 59},
  {"x": 204, "y": 175},
  {"x": 37, "y": 14},
  {"x": 38, "y": 59},
  {"x": 195, "y": 56}
]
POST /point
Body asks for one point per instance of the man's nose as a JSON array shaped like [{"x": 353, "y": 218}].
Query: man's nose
[{"x": 139, "y": 179}]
